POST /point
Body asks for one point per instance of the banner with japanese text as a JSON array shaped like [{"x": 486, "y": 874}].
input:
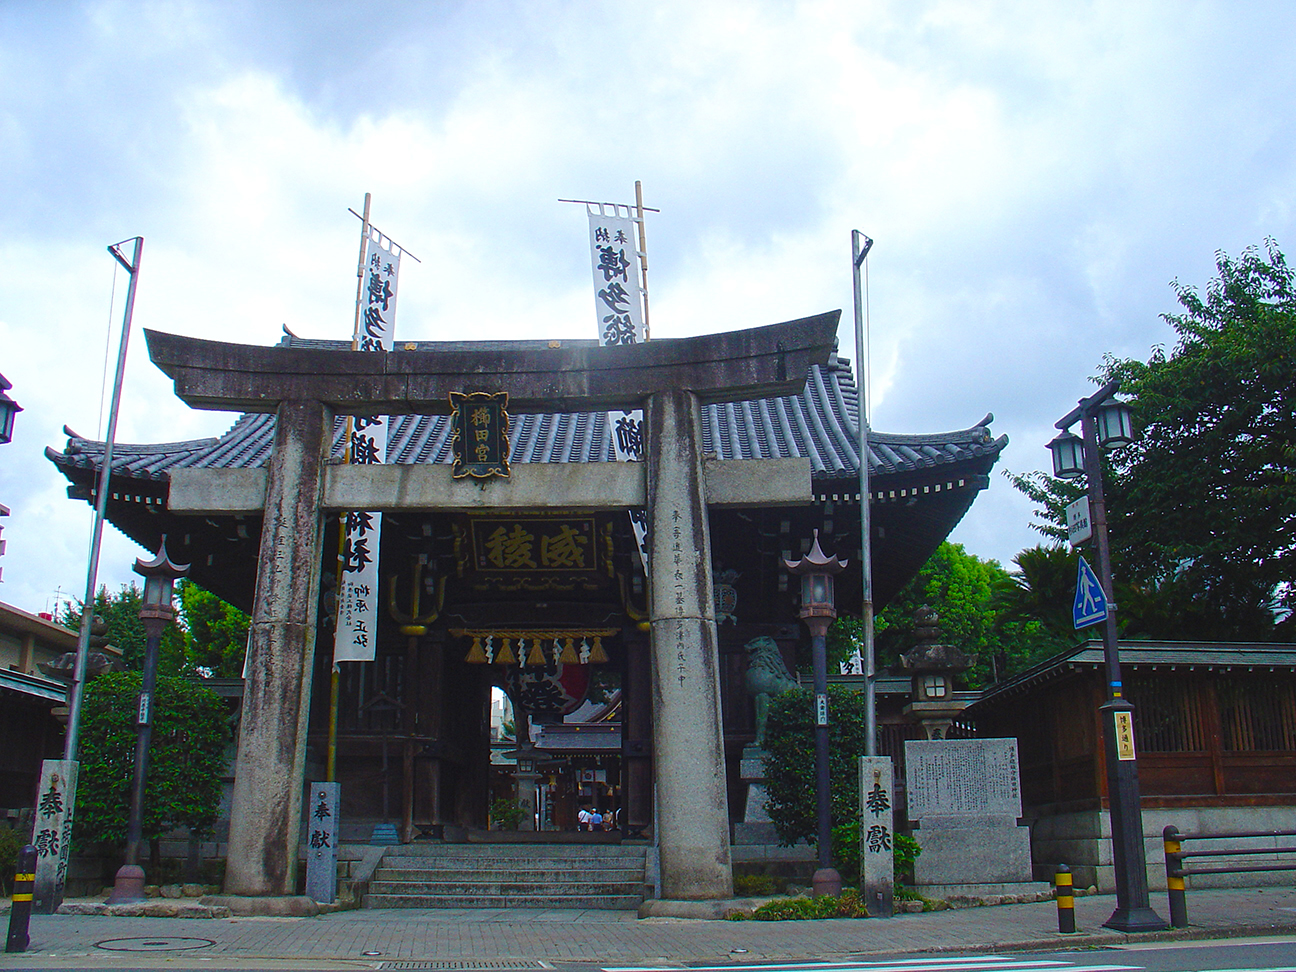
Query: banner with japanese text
[
  {"x": 357, "y": 620},
  {"x": 619, "y": 309}
]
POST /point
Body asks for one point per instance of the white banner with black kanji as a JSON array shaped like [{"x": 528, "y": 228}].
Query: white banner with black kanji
[
  {"x": 619, "y": 307},
  {"x": 357, "y": 621}
]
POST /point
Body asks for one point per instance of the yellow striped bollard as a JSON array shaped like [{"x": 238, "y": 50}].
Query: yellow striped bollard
[
  {"x": 1174, "y": 877},
  {"x": 20, "y": 912},
  {"x": 1064, "y": 893}
]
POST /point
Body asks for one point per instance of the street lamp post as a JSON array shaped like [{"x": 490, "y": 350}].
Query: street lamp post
[
  {"x": 818, "y": 610},
  {"x": 159, "y": 575},
  {"x": 1105, "y": 423}
]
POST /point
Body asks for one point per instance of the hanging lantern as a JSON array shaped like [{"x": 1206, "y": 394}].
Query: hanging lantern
[
  {"x": 1115, "y": 424},
  {"x": 1068, "y": 456}
]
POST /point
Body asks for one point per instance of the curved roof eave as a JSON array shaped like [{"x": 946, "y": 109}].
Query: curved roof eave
[{"x": 821, "y": 424}]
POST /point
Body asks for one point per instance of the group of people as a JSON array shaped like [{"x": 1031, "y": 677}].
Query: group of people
[{"x": 592, "y": 818}]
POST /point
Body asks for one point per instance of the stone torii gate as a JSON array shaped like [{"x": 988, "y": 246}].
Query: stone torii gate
[{"x": 670, "y": 379}]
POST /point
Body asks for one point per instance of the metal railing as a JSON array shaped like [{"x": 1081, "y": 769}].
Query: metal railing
[{"x": 1175, "y": 856}]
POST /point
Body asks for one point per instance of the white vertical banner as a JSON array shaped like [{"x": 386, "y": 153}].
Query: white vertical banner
[
  {"x": 617, "y": 299},
  {"x": 618, "y": 304},
  {"x": 357, "y": 622}
]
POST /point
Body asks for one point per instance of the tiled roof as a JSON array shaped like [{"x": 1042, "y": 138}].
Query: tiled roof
[
  {"x": 1264, "y": 656},
  {"x": 820, "y": 423}
]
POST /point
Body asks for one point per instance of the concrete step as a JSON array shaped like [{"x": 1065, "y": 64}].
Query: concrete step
[
  {"x": 529, "y": 851},
  {"x": 601, "y": 902},
  {"x": 533, "y": 888},
  {"x": 605, "y": 876},
  {"x": 521, "y": 873}
]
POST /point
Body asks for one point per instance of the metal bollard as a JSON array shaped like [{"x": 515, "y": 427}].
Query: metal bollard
[
  {"x": 1065, "y": 895},
  {"x": 20, "y": 911},
  {"x": 1174, "y": 880}
]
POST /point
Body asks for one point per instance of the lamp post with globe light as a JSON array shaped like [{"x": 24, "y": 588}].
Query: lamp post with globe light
[{"x": 1105, "y": 424}]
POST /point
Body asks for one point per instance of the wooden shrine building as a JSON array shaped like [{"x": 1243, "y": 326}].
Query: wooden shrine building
[{"x": 750, "y": 441}]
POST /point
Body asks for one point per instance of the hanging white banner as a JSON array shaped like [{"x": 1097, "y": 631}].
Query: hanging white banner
[
  {"x": 617, "y": 300},
  {"x": 357, "y": 621},
  {"x": 619, "y": 307}
]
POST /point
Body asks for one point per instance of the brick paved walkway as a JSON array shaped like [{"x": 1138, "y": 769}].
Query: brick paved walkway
[{"x": 484, "y": 936}]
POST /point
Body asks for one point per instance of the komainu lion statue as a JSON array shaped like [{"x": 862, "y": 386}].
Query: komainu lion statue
[{"x": 766, "y": 676}]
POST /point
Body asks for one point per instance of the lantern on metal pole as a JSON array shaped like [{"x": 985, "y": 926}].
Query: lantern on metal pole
[
  {"x": 1105, "y": 423},
  {"x": 818, "y": 609},
  {"x": 160, "y": 575}
]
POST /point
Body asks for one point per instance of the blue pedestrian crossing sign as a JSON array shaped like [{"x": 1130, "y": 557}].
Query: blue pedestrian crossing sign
[{"x": 1090, "y": 602}]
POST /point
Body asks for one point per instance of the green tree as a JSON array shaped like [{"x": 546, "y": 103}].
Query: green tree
[
  {"x": 790, "y": 766},
  {"x": 1202, "y": 506},
  {"x": 126, "y": 631},
  {"x": 790, "y": 769},
  {"x": 186, "y": 758},
  {"x": 978, "y": 603},
  {"x": 215, "y": 631}
]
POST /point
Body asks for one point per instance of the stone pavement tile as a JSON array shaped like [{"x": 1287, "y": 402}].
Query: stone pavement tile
[{"x": 618, "y": 938}]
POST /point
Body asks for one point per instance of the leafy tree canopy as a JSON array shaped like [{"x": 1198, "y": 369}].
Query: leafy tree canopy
[
  {"x": 1202, "y": 507},
  {"x": 983, "y": 609},
  {"x": 209, "y": 636},
  {"x": 215, "y": 632},
  {"x": 186, "y": 758}
]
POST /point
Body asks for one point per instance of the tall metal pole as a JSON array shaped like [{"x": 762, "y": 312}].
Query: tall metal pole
[
  {"x": 823, "y": 798},
  {"x": 1133, "y": 911},
  {"x": 144, "y": 720},
  {"x": 101, "y": 502},
  {"x": 858, "y": 254},
  {"x": 1129, "y": 863}
]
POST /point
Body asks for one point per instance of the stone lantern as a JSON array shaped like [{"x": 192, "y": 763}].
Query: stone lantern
[{"x": 933, "y": 667}]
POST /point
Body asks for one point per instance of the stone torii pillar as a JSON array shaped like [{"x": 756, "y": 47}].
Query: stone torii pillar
[{"x": 304, "y": 387}]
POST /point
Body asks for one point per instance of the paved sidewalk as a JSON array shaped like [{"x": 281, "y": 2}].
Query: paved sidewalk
[{"x": 359, "y": 939}]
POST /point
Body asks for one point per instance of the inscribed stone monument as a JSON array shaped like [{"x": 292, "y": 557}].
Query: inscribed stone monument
[{"x": 965, "y": 797}]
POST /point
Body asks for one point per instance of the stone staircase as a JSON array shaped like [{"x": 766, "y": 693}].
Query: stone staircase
[{"x": 512, "y": 875}]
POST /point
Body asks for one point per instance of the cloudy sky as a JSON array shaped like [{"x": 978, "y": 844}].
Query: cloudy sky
[{"x": 1034, "y": 175}]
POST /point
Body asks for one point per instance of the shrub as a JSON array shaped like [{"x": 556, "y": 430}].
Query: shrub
[
  {"x": 845, "y": 905},
  {"x": 11, "y": 842},
  {"x": 186, "y": 758}
]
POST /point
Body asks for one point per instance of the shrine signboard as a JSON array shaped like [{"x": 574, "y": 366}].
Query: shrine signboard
[{"x": 480, "y": 434}]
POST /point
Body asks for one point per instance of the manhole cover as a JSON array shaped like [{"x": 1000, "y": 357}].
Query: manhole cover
[
  {"x": 154, "y": 944},
  {"x": 504, "y": 965}
]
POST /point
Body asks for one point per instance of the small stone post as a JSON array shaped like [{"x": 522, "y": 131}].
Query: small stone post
[
  {"x": 877, "y": 835},
  {"x": 322, "y": 841},
  {"x": 52, "y": 832}
]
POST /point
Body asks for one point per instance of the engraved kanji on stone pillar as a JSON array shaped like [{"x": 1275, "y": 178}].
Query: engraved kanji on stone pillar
[
  {"x": 692, "y": 805},
  {"x": 265, "y": 812}
]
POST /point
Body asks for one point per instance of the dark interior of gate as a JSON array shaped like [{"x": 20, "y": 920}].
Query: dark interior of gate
[{"x": 544, "y": 604}]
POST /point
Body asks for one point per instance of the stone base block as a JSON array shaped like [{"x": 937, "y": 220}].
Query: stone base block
[
  {"x": 972, "y": 895},
  {"x": 288, "y": 906},
  {"x": 711, "y": 910},
  {"x": 145, "y": 909},
  {"x": 957, "y": 851}
]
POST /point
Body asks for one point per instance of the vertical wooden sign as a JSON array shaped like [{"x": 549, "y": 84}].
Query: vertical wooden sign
[{"x": 877, "y": 834}]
